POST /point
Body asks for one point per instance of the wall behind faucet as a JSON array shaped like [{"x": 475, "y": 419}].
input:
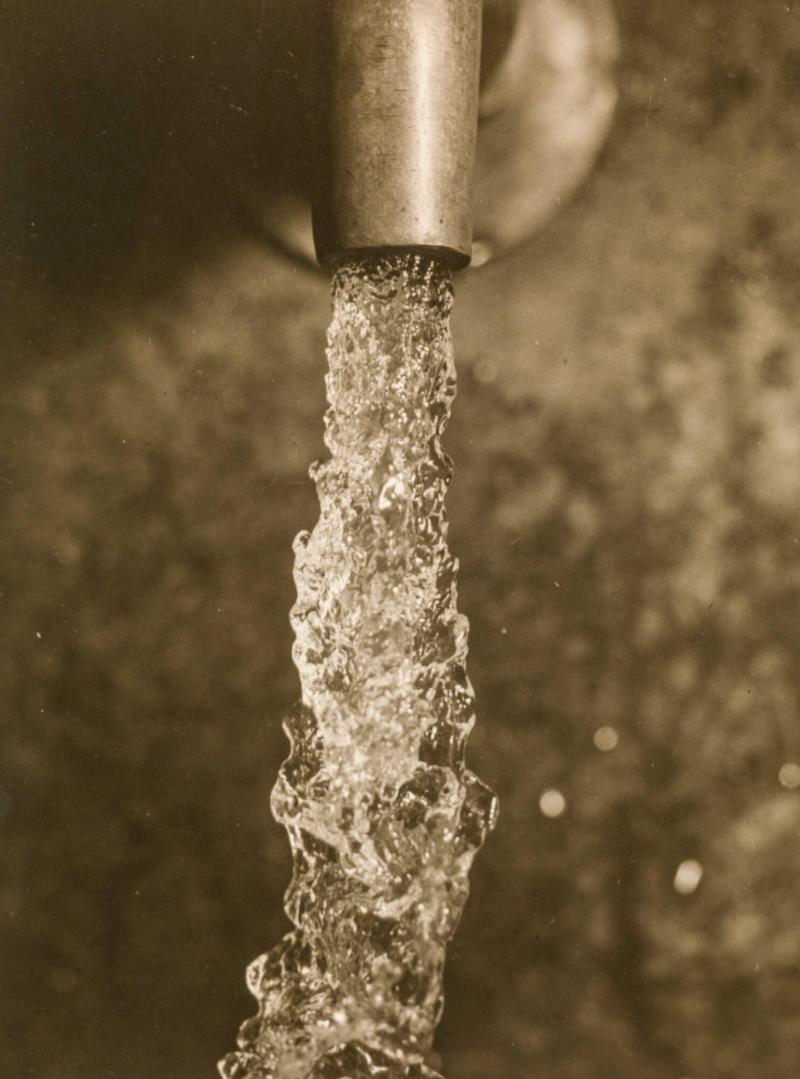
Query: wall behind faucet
[{"x": 625, "y": 508}]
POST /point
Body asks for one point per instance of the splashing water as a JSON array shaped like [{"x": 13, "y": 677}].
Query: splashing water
[{"x": 383, "y": 817}]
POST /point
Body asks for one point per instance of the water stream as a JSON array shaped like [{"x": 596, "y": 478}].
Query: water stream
[{"x": 382, "y": 815}]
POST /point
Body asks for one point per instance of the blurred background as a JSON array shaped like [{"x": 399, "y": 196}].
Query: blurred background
[{"x": 626, "y": 507}]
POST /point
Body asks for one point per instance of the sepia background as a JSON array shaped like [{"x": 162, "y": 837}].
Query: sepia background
[{"x": 626, "y": 509}]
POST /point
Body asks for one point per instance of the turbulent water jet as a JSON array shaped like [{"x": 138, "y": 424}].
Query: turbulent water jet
[{"x": 383, "y": 817}]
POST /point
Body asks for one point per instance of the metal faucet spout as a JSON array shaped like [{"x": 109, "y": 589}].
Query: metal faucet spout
[{"x": 400, "y": 114}]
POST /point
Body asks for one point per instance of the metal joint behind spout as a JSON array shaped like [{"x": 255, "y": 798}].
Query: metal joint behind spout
[{"x": 399, "y": 115}]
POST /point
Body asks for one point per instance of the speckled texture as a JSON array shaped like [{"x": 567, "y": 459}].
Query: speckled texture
[{"x": 625, "y": 510}]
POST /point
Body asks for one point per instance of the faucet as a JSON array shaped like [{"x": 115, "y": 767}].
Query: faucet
[
  {"x": 399, "y": 93},
  {"x": 371, "y": 109}
]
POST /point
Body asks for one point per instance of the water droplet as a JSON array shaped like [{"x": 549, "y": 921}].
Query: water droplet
[
  {"x": 789, "y": 775},
  {"x": 552, "y": 803},
  {"x": 605, "y": 739},
  {"x": 687, "y": 877}
]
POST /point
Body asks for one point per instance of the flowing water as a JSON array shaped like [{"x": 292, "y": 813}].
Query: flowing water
[{"x": 383, "y": 817}]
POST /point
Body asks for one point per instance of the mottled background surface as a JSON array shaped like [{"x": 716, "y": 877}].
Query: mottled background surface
[{"x": 627, "y": 444}]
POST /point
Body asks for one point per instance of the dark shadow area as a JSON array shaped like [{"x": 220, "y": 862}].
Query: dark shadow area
[{"x": 135, "y": 138}]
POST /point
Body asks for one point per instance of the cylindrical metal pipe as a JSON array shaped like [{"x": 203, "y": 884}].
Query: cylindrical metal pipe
[{"x": 400, "y": 114}]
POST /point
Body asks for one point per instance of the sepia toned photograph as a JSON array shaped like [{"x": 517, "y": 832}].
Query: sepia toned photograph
[{"x": 400, "y": 539}]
